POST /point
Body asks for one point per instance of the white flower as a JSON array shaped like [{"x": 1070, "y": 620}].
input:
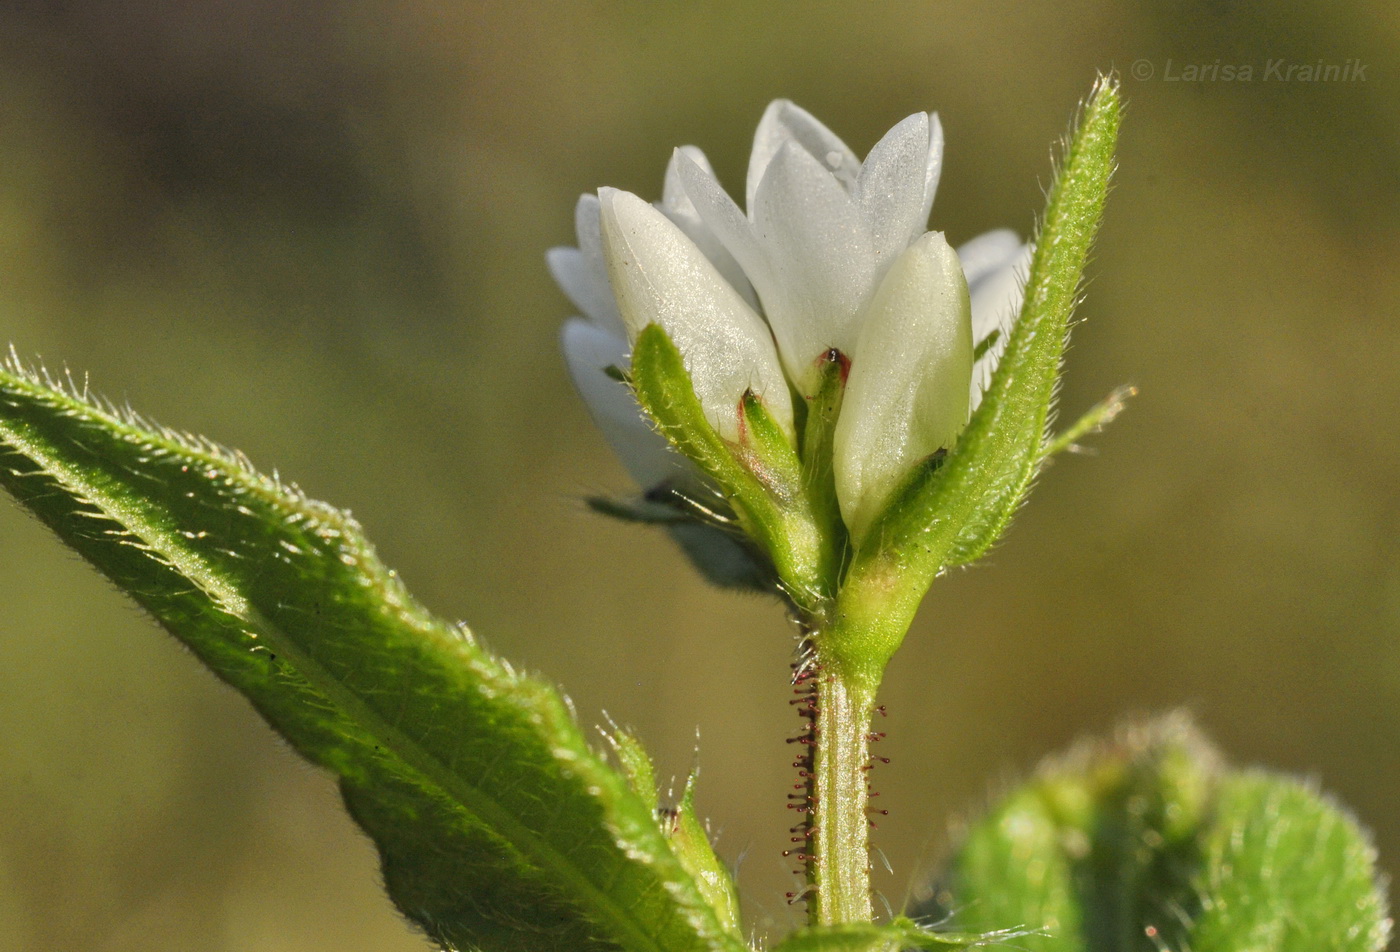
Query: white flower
[
  {"x": 822, "y": 228},
  {"x": 832, "y": 253}
]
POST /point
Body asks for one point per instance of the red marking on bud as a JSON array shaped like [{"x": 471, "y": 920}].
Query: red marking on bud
[{"x": 834, "y": 356}]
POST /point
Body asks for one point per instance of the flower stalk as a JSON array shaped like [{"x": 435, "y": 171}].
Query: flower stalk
[{"x": 838, "y": 857}]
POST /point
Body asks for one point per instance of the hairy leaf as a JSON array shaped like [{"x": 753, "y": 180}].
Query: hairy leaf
[
  {"x": 1285, "y": 869},
  {"x": 1147, "y": 844},
  {"x": 1098, "y": 850},
  {"x": 498, "y": 827},
  {"x": 691, "y": 841}
]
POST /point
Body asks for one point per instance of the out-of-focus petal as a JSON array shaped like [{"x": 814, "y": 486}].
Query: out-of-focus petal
[
  {"x": 784, "y": 122},
  {"x": 988, "y": 253},
  {"x": 820, "y": 258},
  {"x": 934, "y": 169},
  {"x": 661, "y": 277},
  {"x": 588, "y": 350},
  {"x": 996, "y": 301},
  {"x": 907, "y": 395},
  {"x": 587, "y": 289},
  {"x": 581, "y": 273},
  {"x": 891, "y": 188},
  {"x": 674, "y": 197}
]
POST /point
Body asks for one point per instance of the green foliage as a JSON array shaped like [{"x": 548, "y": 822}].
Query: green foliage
[
  {"x": 1148, "y": 844},
  {"x": 498, "y": 827},
  {"x": 691, "y": 841},
  {"x": 1286, "y": 869},
  {"x": 683, "y": 827},
  {"x": 901, "y": 934}
]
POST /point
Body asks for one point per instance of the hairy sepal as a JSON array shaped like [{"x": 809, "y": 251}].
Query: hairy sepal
[{"x": 760, "y": 478}]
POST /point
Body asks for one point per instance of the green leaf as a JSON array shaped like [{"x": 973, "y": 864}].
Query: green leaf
[
  {"x": 1096, "y": 850},
  {"x": 691, "y": 841},
  {"x": 498, "y": 827},
  {"x": 636, "y": 767},
  {"x": 1287, "y": 870},
  {"x": 1146, "y": 844},
  {"x": 682, "y": 827},
  {"x": 952, "y": 509},
  {"x": 898, "y": 935}
]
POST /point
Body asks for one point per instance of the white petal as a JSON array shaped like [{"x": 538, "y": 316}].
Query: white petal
[
  {"x": 821, "y": 260},
  {"x": 987, "y": 253},
  {"x": 677, "y": 206},
  {"x": 719, "y": 213},
  {"x": 996, "y": 302},
  {"x": 934, "y": 169},
  {"x": 784, "y": 122},
  {"x": 581, "y": 272},
  {"x": 660, "y": 277},
  {"x": 587, "y": 288},
  {"x": 907, "y": 395},
  {"x": 892, "y": 186},
  {"x": 673, "y": 194},
  {"x": 588, "y": 350}
]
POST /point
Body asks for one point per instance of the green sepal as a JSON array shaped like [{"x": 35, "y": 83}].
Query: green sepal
[
  {"x": 766, "y": 451},
  {"x": 1148, "y": 843},
  {"x": 771, "y": 509},
  {"x": 986, "y": 344},
  {"x": 951, "y": 510},
  {"x": 895, "y": 936},
  {"x": 818, "y": 441},
  {"x": 706, "y": 530},
  {"x": 498, "y": 827},
  {"x": 990, "y": 469}
]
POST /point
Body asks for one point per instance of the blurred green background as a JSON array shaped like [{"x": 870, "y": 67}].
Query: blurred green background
[{"x": 315, "y": 232}]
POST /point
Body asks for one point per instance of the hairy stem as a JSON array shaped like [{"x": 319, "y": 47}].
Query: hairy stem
[{"x": 838, "y": 858}]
